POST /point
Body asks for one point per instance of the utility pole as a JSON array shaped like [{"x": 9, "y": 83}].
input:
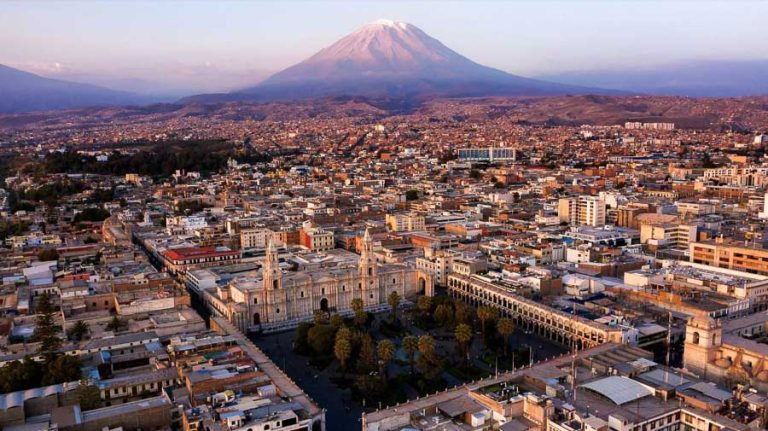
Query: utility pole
[{"x": 574, "y": 349}]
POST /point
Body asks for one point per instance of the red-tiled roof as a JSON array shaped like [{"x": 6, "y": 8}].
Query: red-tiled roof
[{"x": 197, "y": 252}]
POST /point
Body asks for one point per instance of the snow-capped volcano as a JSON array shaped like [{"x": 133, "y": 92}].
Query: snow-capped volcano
[
  {"x": 382, "y": 48},
  {"x": 390, "y": 23},
  {"x": 397, "y": 60}
]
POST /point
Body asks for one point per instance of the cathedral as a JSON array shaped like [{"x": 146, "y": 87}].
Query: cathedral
[
  {"x": 729, "y": 352},
  {"x": 277, "y": 299}
]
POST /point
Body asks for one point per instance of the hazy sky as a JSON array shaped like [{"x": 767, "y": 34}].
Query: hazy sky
[{"x": 143, "y": 39}]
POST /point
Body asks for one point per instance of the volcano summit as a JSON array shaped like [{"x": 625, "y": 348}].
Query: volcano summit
[{"x": 398, "y": 60}]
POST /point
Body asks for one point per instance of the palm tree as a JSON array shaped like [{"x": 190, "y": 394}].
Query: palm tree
[
  {"x": 461, "y": 313},
  {"x": 426, "y": 346},
  {"x": 425, "y": 304},
  {"x": 356, "y": 305},
  {"x": 360, "y": 316},
  {"x": 78, "y": 331},
  {"x": 318, "y": 316},
  {"x": 343, "y": 351},
  {"x": 463, "y": 334},
  {"x": 444, "y": 314},
  {"x": 410, "y": 347},
  {"x": 386, "y": 351},
  {"x": 485, "y": 314},
  {"x": 394, "y": 301},
  {"x": 337, "y": 321},
  {"x": 506, "y": 327},
  {"x": 116, "y": 324},
  {"x": 344, "y": 332},
  {"x": 366, "y": 361}
]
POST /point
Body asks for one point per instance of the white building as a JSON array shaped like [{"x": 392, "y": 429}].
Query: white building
[
  {"x": 582, "y": 210},
  {"x": 187, "y": 224}
]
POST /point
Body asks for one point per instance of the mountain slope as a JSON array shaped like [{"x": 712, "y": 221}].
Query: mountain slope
[
  {"x": 393, "y": 60},
  {"x": 23, "y": 92},
  {"x": 708, "y": 78}
]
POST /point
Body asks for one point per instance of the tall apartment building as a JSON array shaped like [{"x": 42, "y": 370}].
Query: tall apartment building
[
  {"x": 582, "y": 210},
  {"x": 409, "y": 222}
]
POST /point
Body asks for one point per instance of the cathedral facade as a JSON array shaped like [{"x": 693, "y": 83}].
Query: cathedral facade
[{"x": 280, "y": 299}]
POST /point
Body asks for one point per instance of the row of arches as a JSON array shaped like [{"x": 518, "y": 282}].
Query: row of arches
[{"x": 530, "y": 317}]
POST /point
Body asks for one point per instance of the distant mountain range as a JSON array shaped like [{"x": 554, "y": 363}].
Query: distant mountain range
[
  {"x": 393, "y": 60},
  {"x": 24, "y": 92},
  {"x": 693, "y": 78},
  {"x": 395, "y": 66}
]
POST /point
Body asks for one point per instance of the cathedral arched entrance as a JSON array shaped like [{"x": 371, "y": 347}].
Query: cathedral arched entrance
[
  {"x": 324, "y": 305},
  {"x": 256, "y": 319}
]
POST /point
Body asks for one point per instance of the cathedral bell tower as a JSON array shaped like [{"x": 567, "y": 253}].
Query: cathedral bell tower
[
  {"x": 368, "y": 271},
  {"x": 273, "y": 277},
  {"x": 273, "y": 285},
  {"x": 703, "y": 337}
]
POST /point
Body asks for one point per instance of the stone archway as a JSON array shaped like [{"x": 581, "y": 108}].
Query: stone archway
[
  {"x": 256, "y": 319},
  {"x": 422, "y": 286},
  {"x": 324, "y": 305}
]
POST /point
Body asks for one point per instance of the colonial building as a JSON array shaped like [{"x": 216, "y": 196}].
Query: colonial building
[
  {"x": 729, "y": 352},
  {"x": 275, "y": 299},
  {"x": 180, "y": 260}
]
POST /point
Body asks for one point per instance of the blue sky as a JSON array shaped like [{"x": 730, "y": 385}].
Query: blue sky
[{"x": 139, "y": 39}]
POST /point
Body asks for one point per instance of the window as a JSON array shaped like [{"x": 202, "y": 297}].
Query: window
[
  {"x": 277, "y": 311},
  {"x": 255, "y": 300}
]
